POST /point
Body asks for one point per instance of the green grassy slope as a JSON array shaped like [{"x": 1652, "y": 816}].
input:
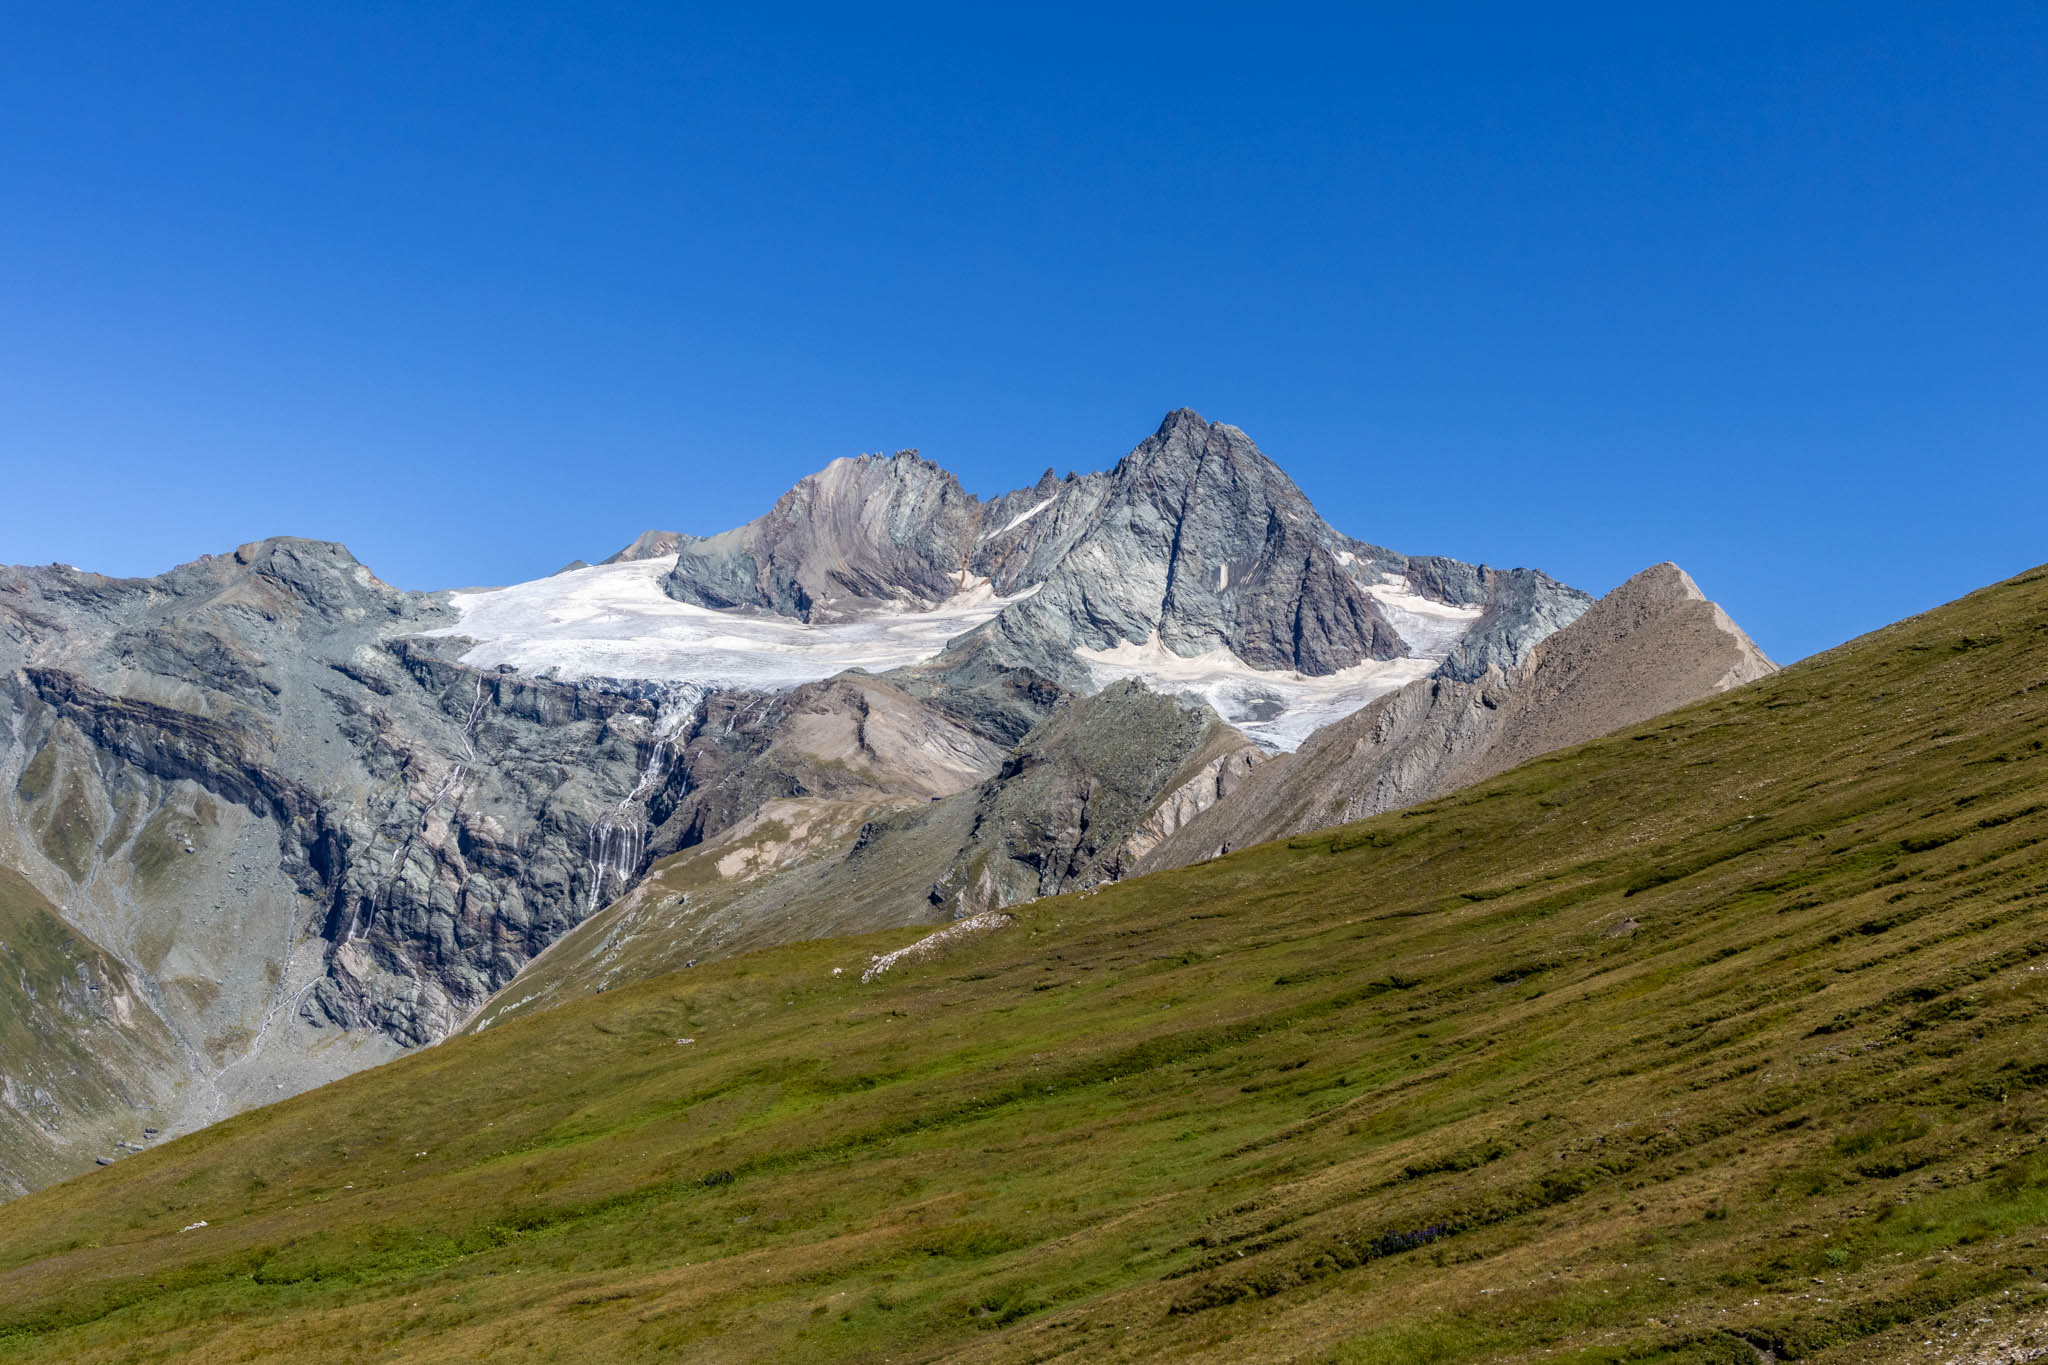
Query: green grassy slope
[{"x": 1719, "y": 1036}]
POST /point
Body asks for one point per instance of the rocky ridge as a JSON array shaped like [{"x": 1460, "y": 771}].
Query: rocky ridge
[{"x": 1195, "y": 539}]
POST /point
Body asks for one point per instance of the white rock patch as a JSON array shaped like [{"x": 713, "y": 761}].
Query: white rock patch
[{"x": 931, "y": 943}]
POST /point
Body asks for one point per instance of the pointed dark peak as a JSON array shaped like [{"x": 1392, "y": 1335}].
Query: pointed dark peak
[
  {"x": 1186, "y": 439},
  {"x": 1183, "y": 432}
]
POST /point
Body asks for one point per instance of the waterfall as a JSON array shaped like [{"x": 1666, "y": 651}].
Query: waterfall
[{"x": 618, "y": 838}]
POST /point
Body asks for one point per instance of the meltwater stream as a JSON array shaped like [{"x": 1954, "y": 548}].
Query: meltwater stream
[{"x": 618, "y": 839}]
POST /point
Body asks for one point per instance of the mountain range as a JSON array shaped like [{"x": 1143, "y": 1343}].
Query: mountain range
[
  {"x": 1712, "y": 1040},
  {"x": 266, "y": 820}
]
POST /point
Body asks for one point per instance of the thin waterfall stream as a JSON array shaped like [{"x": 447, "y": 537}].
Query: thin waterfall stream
[{"x": 618, "y": 838}]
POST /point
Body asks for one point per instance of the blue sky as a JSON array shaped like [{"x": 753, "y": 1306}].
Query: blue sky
[{"x": 479, "y": 289}]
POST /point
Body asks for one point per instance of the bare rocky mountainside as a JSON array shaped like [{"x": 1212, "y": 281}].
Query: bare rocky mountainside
[{"x": 266, "y": 820}]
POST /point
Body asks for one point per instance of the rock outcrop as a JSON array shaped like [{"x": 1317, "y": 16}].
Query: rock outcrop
[
  {"x": 860, "y": 533},
  {"x": 1099, "y": 780}
]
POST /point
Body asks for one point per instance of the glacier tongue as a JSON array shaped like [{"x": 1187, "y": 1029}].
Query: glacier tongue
[{"x": 614, "y": 621}]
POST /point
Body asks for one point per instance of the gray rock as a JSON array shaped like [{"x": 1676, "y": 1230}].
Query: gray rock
[
  {"x": 279, "y": 813},
  {"x": 1195, "y": 537},
  {"x": 1100, "y": 780},
  {"x": 651, "y": 545},
  {"x": 861, "y": 532}
]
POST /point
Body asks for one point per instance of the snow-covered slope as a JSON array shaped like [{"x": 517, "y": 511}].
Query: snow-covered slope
[
  {"x": 1276, "y": 708},
  {"x": 612, "y": 621},
  {"x": 1280, "y": 708}
]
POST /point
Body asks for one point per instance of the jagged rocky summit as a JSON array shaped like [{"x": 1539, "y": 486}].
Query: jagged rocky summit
[
  {"x": 1195, "y": 543},
  {"x": 266, "y": 820}
]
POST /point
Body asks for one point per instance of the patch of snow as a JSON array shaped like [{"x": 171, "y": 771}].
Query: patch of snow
[
  {"x": 1222, "y": 576},
  {"x": 1275, "y": 708},
  {"x": 1430, "y": 627},
  {"x": 614, "y": 621},
  {"x": 1346, "y": 558},
  {"x": 1023, "y": 517}
]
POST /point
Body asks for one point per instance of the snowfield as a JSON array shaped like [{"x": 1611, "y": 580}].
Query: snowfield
[
  {"x": 612, "y": 621},
  {"x": 1430, "y": 628},
  {"x": 1276, "y": 709}
]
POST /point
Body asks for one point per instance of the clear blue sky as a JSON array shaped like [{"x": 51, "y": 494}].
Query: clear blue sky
[{"x": 479, "y": 289}]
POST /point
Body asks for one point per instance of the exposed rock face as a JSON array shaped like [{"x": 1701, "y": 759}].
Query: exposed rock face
[
  {"x": 1097, "y": 782},
  {"x": 861, "y": 532},
  {"x": 1194, "y": 539},
  {"x": 300, "y": 837},
  {"x": 651, "y": 545},
  {"x": 850, "y": 739},
  {"x": 1205, "y": 783},
  {"x": 1069, "y": 802},
  {"x": 1198, "y": 539},
  {"x": 1653, "y": 644},
  {"x": 307, "y": 839},
  {"x": 1522, "y": 608}
]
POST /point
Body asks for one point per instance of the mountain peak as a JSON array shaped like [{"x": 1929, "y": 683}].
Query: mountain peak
[
  {"x": 865, "y": 530},
  {"x": 1196, "y": 542},
  {"x": 1664, "y": 582}
]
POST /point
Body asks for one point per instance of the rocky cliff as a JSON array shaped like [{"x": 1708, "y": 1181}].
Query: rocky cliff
[{"x": 308, "y": 839}]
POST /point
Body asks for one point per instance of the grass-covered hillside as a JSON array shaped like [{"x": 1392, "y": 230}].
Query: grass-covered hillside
[{"x": 1719, "y": 1038}]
